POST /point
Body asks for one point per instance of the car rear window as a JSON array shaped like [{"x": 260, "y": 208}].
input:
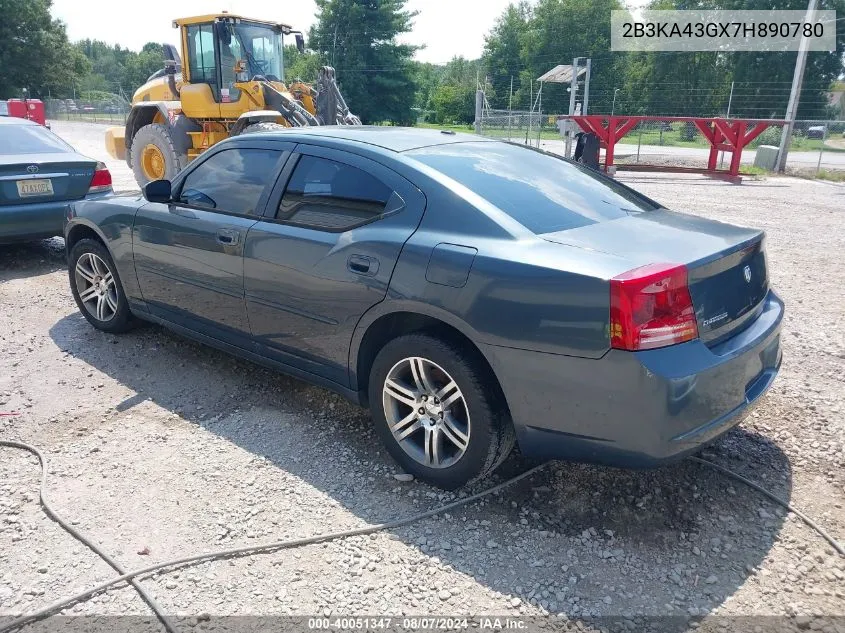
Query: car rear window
[
  {"x": 542, "y": 192},
  {"x": 30, "y": 139}
]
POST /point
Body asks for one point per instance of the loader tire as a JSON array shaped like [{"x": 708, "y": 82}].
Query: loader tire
[
  {"x": 266, "y": 126},
  {"x": 154, "y": 156}
]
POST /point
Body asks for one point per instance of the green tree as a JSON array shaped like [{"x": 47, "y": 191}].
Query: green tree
[
  {"x": 303, "y": 66},
  {"x": 453, "y": 104},
  {"x": 560, "y": 30},
  {"x": 503, "y": 52},
  {"x": 427, "y": 78},
  {"x": 138, "y": 67},
  {"x": 375, "y": 72},
  {"x": 452, "y": 98},
  {"x": 764, "y": 79},
  {"x": 699, "y": 83},
  {"x": 34, "y": 51}
]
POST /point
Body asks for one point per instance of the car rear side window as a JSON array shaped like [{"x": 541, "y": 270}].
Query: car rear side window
[
  {"x": 30, "y": 139},
  {"x": 333, "y": 196},
  {"x": 542, "y": 192},
  {"x": 232, "y": 180}
]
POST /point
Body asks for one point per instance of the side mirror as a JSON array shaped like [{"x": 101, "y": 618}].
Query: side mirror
[
  {"x": 300, "y": 42},
  {"x": 157, "y": 191}
]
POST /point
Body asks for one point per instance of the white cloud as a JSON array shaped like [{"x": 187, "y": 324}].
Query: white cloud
[{"x": 446, "y": 27}]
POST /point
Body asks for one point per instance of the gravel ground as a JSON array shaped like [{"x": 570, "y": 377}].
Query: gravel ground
[{"x": 160, "y": 448}]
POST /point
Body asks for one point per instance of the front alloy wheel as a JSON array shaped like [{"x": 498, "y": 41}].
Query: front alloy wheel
[
  {"x": 96, "y": 287},
  {"x": 426, "y": 412}
]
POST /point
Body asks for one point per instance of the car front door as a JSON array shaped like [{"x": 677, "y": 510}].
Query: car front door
[
  {"x": 324, "y": 255},
  {"x": 189, "y": 252}
]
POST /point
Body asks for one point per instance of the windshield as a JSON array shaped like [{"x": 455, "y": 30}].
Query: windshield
[
  {"x": 31, "y": 139},
  {"x": 542, "y": 192},
  {"x": 261, "y": 47}
]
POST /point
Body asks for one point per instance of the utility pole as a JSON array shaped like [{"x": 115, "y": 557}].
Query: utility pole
[
  {"x": 479, "y": 102},
  {"x": 727, "y": 116},
  {"x": 334, "y": 43},
  {"x": 510, "y": 109},
  {"x": 587, "y": 86},
  {"x": 797, "y": 80},
  {"x": 573, "y": 89}
]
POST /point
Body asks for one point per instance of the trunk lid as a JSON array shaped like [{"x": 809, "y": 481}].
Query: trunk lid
[
  {"x": 728, "y": 277},
  {"x": 69, "y": 176}
]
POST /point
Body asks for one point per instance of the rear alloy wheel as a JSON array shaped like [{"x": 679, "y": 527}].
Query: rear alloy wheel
[
  {"x": 436, "y": 411},
  {"x": 96, "y": 287},
  {"x": 426, "y": 412}
]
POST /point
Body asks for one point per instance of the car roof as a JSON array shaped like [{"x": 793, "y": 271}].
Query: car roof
[
  {"x": 12, "y": 120},
  {"x": 397, "y": 139}
]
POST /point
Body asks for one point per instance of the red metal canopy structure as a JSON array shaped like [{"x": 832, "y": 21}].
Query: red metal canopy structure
[{"x": 725, "y": 135}]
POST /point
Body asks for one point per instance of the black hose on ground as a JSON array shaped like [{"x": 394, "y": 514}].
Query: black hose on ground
[
  {"x": 833, "y": 542},
  {"x": 291, "y": 543},
  {"x": 79, "y": 536}
]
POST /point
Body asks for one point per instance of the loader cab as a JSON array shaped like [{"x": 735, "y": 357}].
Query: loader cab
[{"x": 223, "y": 53}]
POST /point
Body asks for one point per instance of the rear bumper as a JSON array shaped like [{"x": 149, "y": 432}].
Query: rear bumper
[
  {"x": 36, "y": 220},
  {"x": 638, "y": 409}
]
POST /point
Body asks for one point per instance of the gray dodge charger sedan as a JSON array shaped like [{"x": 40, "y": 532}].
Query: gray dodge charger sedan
[{"x": 471, "y": 292}]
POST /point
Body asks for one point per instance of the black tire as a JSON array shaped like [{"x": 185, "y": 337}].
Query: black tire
[
  {"x": 121, "y": 318},
  {"x": 159, "y": 135},
  {"x": 490, "y": 430},
  {"x": 264, "y": 126}
]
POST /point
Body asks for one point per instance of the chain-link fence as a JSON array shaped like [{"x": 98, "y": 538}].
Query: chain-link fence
[
  {"x": 114, "y": 110},
  {"x": 817, "y": 146},
  {"x": 513, "y": 125}
]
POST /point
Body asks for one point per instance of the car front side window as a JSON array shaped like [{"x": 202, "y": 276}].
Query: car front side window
[
  {"x": 232, "y": 180},
  {"x": 329, "y": 195}
]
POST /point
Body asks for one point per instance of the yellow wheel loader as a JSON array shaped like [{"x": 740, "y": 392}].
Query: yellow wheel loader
[{"x": 231, "y": 82}]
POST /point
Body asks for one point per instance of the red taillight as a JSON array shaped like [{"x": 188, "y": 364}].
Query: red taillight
[
  {"x": 101, "y": 180},
  {"x": 651, "y": 307}
]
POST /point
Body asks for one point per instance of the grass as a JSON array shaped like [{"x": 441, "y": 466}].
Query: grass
[
  {"x": 823, "y": 174},
  {"x": 751, "y": 170},
  {"x": 672, "y": 138},
  {"x": 833, "y": 176}
]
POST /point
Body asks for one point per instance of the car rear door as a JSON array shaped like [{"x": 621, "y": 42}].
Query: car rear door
[
  {"x": 189, "y": 253},
  {"x": 324, "y": 255}
]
